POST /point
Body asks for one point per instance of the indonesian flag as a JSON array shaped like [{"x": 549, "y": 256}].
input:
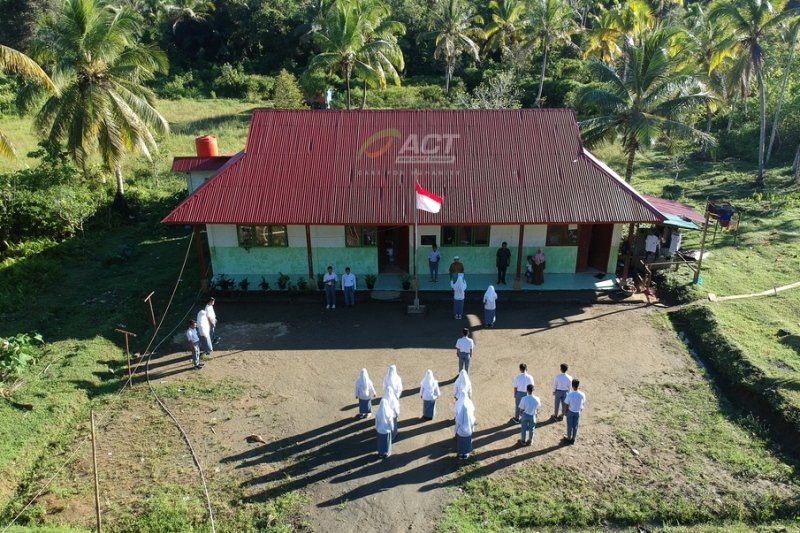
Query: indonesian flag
[{"x": 427, "y": 201}]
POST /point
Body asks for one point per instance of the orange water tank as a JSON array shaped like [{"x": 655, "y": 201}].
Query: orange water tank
[{"x": 206, "y": 146}]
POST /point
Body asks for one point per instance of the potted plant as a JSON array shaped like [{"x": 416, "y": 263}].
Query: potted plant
[
  {"x": 223, "y": 284},
  {"x": 264, "y": 284},
  {"x": 283, "y": 281},
  {"x": 302, "y": 284},
  {"x": 370, "y": 280},
  {"x": 406, "y": 282},
  {"x": 244, "y": 284}
]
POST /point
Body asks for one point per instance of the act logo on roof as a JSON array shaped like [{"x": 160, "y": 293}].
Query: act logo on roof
[{"x": 431, "y": 148}]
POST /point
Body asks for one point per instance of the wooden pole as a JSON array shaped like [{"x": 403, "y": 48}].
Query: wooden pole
[
  {"x": 627, "y": 259},
  {"x": 312, "y": 282},
  {"x": 150, "y": 303},
  {"x": 201, "y": 258},
  {"x": 127, "y": 353},
  {"x": 702, "y": 247},
  {"x": 517, "y": 278},
  {"x": 96, "y": 478}
]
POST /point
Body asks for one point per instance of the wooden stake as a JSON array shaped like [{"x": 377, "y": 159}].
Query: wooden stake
[
  {"x": 150, "y": 302},
  {"x": 96, "y": 478}
]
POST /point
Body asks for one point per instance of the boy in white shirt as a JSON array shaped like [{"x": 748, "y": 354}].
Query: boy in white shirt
[{"x": 575, "y": 401}]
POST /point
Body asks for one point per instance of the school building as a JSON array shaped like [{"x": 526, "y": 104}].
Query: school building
[{"x": 335, "y": 187}]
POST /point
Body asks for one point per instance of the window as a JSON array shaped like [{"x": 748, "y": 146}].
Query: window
[
  {"x": 465, "y": 235},
  {"x": 251, "y": 236},
  {"x": 360, "y": 236},
  {"x": 562, "y": 235}
]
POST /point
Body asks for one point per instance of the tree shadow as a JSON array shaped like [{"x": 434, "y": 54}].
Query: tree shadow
[{"x": 216, "y": 123}]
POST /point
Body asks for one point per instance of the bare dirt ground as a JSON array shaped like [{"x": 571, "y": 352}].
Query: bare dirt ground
[{"x": 296, "y": 365}]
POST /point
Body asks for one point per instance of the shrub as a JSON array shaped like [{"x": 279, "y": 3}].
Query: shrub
[
  {"x": 234, "y": 83},
  {"x": 287, "y": 93},
  {"x": 677, "y": 287},
  {"x": 17, "y": 352}
]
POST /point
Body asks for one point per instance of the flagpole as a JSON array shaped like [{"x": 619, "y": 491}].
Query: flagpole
[{"x": 416, "y": 281}]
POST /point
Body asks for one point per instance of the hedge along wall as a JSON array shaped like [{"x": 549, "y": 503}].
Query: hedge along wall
[{"x": 751, "y": 388}]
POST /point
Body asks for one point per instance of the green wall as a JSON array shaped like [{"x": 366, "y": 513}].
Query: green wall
[{"x": 481, "y": 260}]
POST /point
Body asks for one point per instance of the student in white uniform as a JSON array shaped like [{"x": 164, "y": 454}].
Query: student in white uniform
[
  {"x": 464, "y": 348},
  {"x": 194, "y": 343},
  {"x": 576, "y": 400},
  {"x": 429, "y": 392},
  {"x": 465, "y": 426},
  {"x": 489, "y": 306},
  {"x": 521, "y": 382},
  {"x": 392, "y": 380},
  {"x": 365, "y": 392},
  {"x": 383, "y": 428},
  {"x": 349, "y": 287},
  {"x": 528, "y": 406},
  {"x": 459, "y": 287},
  {"x": 211, "y": 313},
  {"x": 462, "y": 385},
  {"x": 394, "y": 405},
  {"x": 204, "y": 330},
  {"x": 561, "y": 385},
  {"x": 329, "y": 282}
]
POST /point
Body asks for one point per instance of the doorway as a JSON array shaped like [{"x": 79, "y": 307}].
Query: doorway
[
  {"x": 392, "y": 249},
  {"x": 594, "y": 247}
]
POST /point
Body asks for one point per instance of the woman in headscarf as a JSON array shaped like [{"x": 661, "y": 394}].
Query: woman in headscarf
[
  {"x": 394, "y": 405},
  {"x": 462, "y": 385},
  {"x": 392, "y": 381},
  {"x": 459, "y": 287},
  {"x": 429, "y": 392},
  {"x": 538, "y": 267},
  {"x": 465, "y": 425},
  {"x": 365, "y": 392},
  {"x": 489, "y": 306},
  {"x": 384, "y": 427}
]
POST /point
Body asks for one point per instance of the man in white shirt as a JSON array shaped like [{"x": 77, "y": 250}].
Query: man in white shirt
[
  {"x": 349, "y": 288},
  {"x": 528, "y": 406},
  {"x": 211, "y": 314},
  {"x": 651, "y": 244},
  {"x": 521, "y": 383},
  {"x": 194, "y": 343},
  {"x": 434, "y": 257},
  {"x": 329, "y": 281},
  {"x": 561, "y": 385},
  {"x": 575, "y": 401},
  {"x": 464, "y": 349},
  {"x": 204, "y": 330}
]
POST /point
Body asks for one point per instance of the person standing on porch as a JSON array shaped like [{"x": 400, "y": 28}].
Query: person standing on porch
[
  {"x": 434, "y": 257},
  {"x": 539, "y": 263},
  {"x": 464, "y": 348},
  {"x": 212, "y": 318},
  {"x": 349, "y": 288},
  {"x": 459, "y": 287},
  {"x": 429, "y": 392},
  {"x": 456, "y": 268},
  {"x": 489, "y": 306},
  {"x": 365, "y": 392},
  {"x": 329, "y": 281},
  {"x": 503, "y": 260}
]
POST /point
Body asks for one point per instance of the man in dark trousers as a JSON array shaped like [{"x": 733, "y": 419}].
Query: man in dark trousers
[{"x": 503, "y": 260}]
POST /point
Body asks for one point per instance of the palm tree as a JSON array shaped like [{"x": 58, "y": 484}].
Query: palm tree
[
  {"x": 15, "y": 62},
  {"x": 603, "y": 37},
  {"x": 752, "y": 23},
  {"x": 507, "y": 27},
  {"x": 455, "y": 34},
  {"x": 182, "y": 11},
  {"x": 792, "y": 47},
  {"x": 552, "y": 24},
  {"x": 100, "y": 69},
  {"x": 649, "y": 103},
  {"x": 356, "y": 38}
]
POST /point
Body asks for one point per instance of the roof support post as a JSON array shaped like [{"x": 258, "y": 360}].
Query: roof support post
[
  {"x": 628, "y": 254},
  {"x": 201, "y": 258},
  {"x": 517, "y": 277},
  {"x": 703, "y": 245},
  {"x": 312, "y": 282}
]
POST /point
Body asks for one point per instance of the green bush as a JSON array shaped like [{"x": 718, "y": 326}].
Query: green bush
[
  {"x": 677, "y": 287},
  {"x": 287, "y": 93},
  {"x": 232, "y": 82},
  {"x": 17, "y": 352}
]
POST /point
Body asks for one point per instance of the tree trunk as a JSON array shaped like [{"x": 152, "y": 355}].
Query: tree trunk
[
  {"x": 120, "y": 204},
  {"x": 364, "y": 96},
  {"x": 709, "y": 118},
  {"x": 348, "y": 90},
  {"x": 762, "y": 123},
  {"x": 796, "y": 165},
  {"x": 629, "y": 168},
  {"x": 541, "y": 81},
  {"x": 780, "y": 97},
  {"x": 448, "y": 73}
]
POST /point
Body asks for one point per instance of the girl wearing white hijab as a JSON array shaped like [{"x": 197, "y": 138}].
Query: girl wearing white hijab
[
  {"x": 465, "y": 425},
  {"x": 365, "y": 392},
  {"x": 489, "y": 306},
  {"x": 392, "y": 381},
  {"x": 383, "y": 427},
  {"x": 462, "y": 385},
  {"x": 429, "y": 392},
  {"x": 459, "y": 287},
  {"x": 394, "y": 405}
]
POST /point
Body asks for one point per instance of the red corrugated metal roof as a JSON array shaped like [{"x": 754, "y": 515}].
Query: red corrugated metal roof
[
  {"x": 671, "y": 207},
  {"x": 491, "y": 166},
  {"x": 196, "y": 163}
]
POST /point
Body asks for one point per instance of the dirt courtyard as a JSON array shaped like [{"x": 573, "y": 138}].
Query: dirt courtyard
[{"x": 298, "y": 362}]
